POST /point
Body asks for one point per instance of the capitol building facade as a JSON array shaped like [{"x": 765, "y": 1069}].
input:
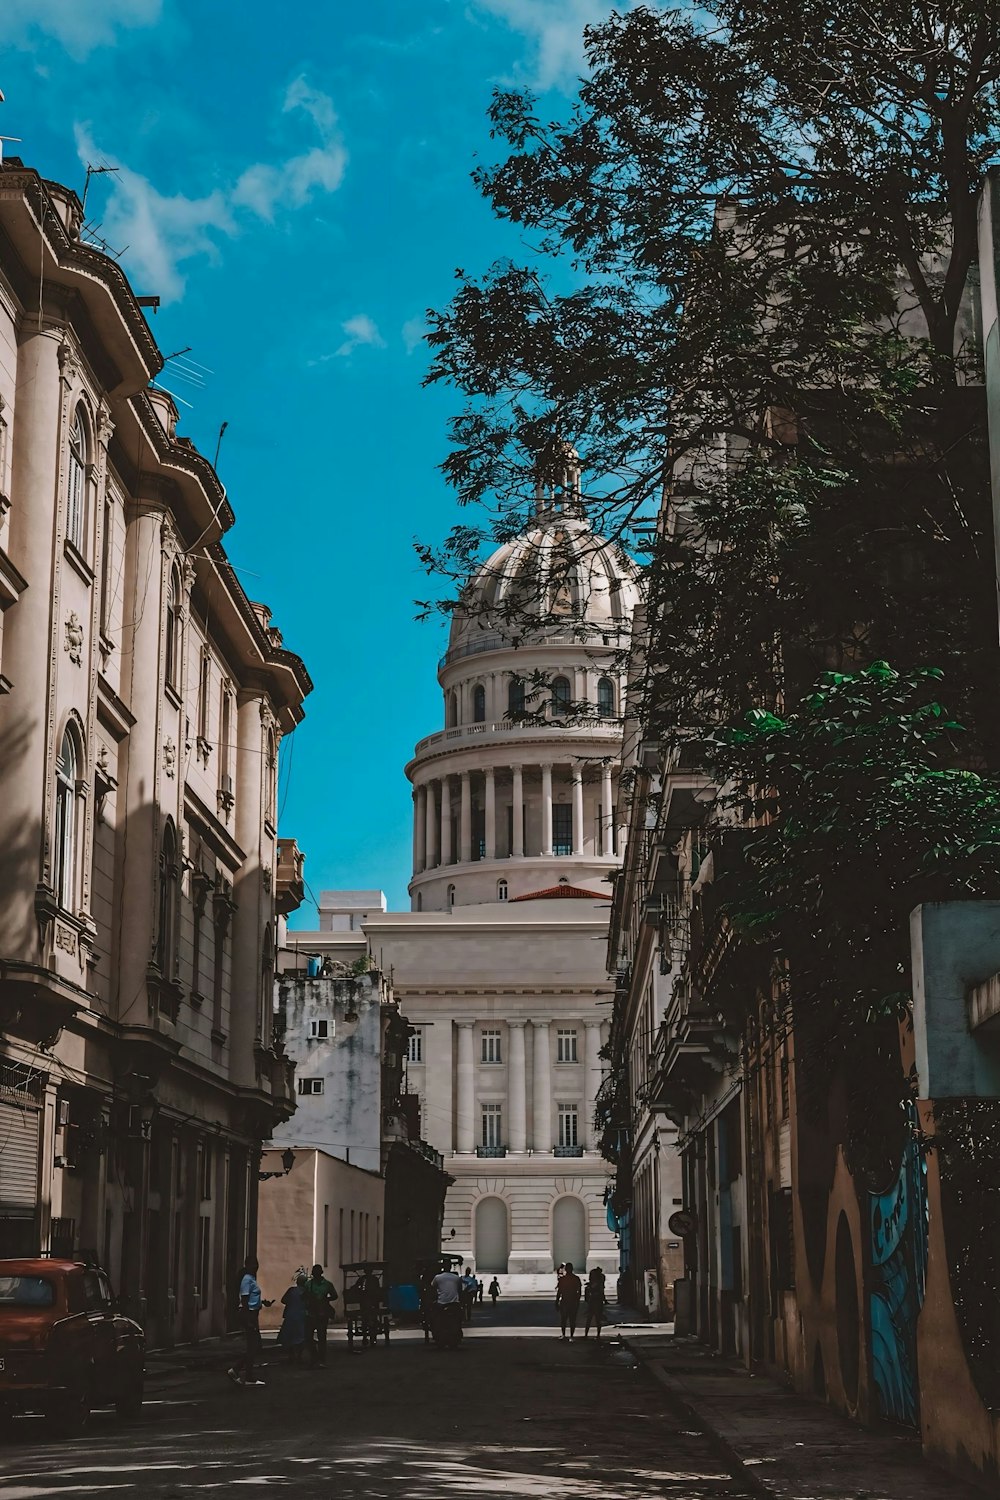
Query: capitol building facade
[{"x": 500, "y": 965}]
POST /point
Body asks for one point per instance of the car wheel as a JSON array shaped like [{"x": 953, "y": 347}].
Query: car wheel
[
  {"x": 70, "y": 1414},
  {"x": 129, "y": 1404}
]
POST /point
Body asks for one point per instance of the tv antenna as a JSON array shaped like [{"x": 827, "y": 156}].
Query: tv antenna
[{"x": 93, "y": 171}]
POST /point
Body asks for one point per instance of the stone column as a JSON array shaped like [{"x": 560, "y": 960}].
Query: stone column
[
  {"x": 419, "y": 830},
  {"x": 517, "y": 1129},
  {"x": 445, "y": 820},
  {"x": 517, "y": 814},
  {"x": 491, "y": 814},
  {"x": 608, "y": 814},
  {"x": 547, "y": 809},
  {"x": 541, "y": 1137},
  {"x": 577, "y": 810},
  {"x": 591, "y": 1080},
  {"x": 465, "y": 822},
  {"x": 430, "y": 826},
  {"x": 465, "y": 1121}
]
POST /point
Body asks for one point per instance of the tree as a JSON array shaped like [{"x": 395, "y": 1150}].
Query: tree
[{"x": 753, "y": 239}]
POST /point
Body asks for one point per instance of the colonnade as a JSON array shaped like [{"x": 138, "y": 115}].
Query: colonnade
[
  {"x": 433, "y": 816},
  {"x": 517, "y": 1134}
]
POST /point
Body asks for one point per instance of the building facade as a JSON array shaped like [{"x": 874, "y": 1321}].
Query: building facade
[
  {"x": 500, "y": 964},
  {"x": 143, "y": 701}
]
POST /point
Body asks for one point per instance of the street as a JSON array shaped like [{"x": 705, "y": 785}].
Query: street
[{"x": 514, "y": 1412}]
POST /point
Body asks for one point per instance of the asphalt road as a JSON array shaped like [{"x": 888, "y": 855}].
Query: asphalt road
[{"x": 514, "y": 1413}]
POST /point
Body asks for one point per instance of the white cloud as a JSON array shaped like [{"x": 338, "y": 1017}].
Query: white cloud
[
  {"x": 414, "y": 331},
  {"x": 160, "y": 233},
  {"x": 555, "y": 30},
  {"x": 360, "y": 330},
  {"x": 80, "y": 25}
]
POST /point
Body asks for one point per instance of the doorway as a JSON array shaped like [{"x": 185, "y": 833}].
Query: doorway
[
  {"x": 492, "y": 1237},
  {"x": 569, "y": 1233}
]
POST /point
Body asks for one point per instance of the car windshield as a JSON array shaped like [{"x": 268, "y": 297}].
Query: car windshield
[{"x": 26, "y": 1291}]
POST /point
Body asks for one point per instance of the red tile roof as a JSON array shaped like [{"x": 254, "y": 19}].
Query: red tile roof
[{"x": 553, "y": 892}]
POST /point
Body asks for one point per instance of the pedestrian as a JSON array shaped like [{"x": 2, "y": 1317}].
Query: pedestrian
[
  {"x": 243, "y": 1372},
  {"x": 292, "y": 1333},
  {"x": 468, "y": 1293},
  {"x": 569, "y": 1290},
  {"x": 320, "y": 1296},
  {"x": 370, "y": 1301},
  {"x": 560, "y": 1271},
  {"x": 595, "y": 1298},
  {"x": 446, "y": 1320},
  {"x": 479, "y": 1291},
  {"x": 494, "y": 1290}
]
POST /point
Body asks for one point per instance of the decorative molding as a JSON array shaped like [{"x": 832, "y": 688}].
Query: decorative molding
[
  {"x": 74, "y": 639},
  {"x": 170, "y": 757}
]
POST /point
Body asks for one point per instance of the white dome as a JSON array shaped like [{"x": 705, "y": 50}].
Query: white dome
[{"x": 558, "y": 573}]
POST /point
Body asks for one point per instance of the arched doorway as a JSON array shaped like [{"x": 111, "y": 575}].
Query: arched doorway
[
  {"x": 569, "y": 1233},
  {"x": 492, "y": 1239}
]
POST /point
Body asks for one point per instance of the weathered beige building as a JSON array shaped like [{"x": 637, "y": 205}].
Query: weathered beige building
[{"x": 142, "y": 702}]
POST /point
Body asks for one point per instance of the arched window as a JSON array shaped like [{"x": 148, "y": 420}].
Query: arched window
[
  {"x": 172, "y": 647},
  {"x": 450, "y": 710},
  {"x": 166, "y": 927},
  {"x": 64, "y": 861},
  {"x": 451, "y": 897},
  {"x": 479, "y": 704},
  {"x": 606, "y": 697},
  {"x": 501, "y": 890},
  {"x": 560, "y": 696},
  {"x": 515, "y": 696},
  {"x": 76, "y": 481}
]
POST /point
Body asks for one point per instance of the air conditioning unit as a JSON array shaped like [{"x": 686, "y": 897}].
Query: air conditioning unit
[
  {"x": 226, "y": 785},
  {"x": 62, "y": 1112}
]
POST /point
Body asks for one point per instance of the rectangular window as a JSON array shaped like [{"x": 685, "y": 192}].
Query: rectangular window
[
  {"x": 204, "y": 1258},
  {"x": 491, "y": 1047},
  {"x": 309, "y": 1085},
  {"x": 566, "y": 1045},
  {"x": 206, "y": 1170},
  {"x": 562, "y": 828},
  {"x": 492, "y": 1137},
  {"x": 340, "y": 1238},
  {"x": 204, "y": 684},
  {"x": 326, "y": 1234},
  {"x": 107, "y": 553},
  {"x": 319, "y": 1031},
  {"x": 415, "y": 1045},
  {"x": 353, "y": 1253},
  {"x": 568, "y": 1125}
]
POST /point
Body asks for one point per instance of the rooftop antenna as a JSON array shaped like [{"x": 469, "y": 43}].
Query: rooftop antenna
[
  {"x": 215, "y": 461},
  {"x": 93, "y": 171}
]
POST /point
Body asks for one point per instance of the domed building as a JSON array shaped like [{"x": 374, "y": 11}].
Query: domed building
[
  {"x": 500, "y": 965},
  {"x": 516, "y": 793}
]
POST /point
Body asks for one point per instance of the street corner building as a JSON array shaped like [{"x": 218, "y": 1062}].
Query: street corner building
[
  {"x": 500, "y": 965},
  {"x": 347, "y": 1177},
  {"x": 143, "y": 698}
]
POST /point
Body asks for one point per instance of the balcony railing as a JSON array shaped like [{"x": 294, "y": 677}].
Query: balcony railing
[
  {"x": 491, "y": 1151},
  {"x": 567, "y": 1150},
  {"x": 595, "y": 727}
]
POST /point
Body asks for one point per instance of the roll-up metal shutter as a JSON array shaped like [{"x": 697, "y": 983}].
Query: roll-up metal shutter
[{"x": 18, "y": 1158}]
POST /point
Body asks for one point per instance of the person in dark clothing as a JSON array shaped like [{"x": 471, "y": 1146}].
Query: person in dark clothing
[
  {"x": 596, "y": 1299},
  {"x": 320, "y": 1296},
  {"x": 370, "y": 1297},
  {"x": 569, "y": 1290},
  {"x": 494, "y": 1290}
]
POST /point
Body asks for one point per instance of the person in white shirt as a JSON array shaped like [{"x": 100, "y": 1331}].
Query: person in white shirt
[
  {"x": 446, "y": 1316},
  {"x": 448, "y": 1285}
]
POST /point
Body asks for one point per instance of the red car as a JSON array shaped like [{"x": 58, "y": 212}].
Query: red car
[{"x": 64, "y": 1345}]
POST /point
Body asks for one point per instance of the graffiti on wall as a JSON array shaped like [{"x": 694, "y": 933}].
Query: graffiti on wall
[{"x": 897, "y": 1220}]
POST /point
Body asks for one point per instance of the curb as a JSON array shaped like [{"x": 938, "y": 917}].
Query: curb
[{"x": 741, "y": 1470}]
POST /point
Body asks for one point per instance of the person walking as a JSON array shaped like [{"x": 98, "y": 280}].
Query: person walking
[
  {"x": 446, "y": 1320},
  {"x": 292, "y": 1333},
  {"x": 569, "y": 1290},
  {"x": 494, "y": 1290},
  {"x": 594, "y": 1294},
  {"x": 370, "y": 1299},
  {"x": 469, "y": 1285},
  {"x": 243, "y": 1371},
  {"x": 320, "y": 1296}
]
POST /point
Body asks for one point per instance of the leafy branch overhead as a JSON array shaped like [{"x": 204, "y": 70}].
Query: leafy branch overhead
[{"x": 752, "y": 241}]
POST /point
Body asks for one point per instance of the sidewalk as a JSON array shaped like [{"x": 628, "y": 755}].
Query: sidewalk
[{"x": 784, "y": 1445}]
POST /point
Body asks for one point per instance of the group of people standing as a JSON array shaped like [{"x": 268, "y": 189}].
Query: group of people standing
[
  {"x": 308, "y": 1305},
  {"x": 570, "y": 1291}
]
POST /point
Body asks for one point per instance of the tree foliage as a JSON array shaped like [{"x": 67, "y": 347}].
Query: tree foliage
[{"x": 752, "y": 239}]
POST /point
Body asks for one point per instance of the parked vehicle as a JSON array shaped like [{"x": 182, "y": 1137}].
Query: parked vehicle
[{"x": 65, "y": 1346}]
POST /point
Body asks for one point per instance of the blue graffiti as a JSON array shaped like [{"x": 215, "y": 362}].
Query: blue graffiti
[{"x": 897, "y": 1222}]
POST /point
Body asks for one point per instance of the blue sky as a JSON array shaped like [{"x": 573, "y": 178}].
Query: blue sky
[{"x": 295, "y": 185}]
